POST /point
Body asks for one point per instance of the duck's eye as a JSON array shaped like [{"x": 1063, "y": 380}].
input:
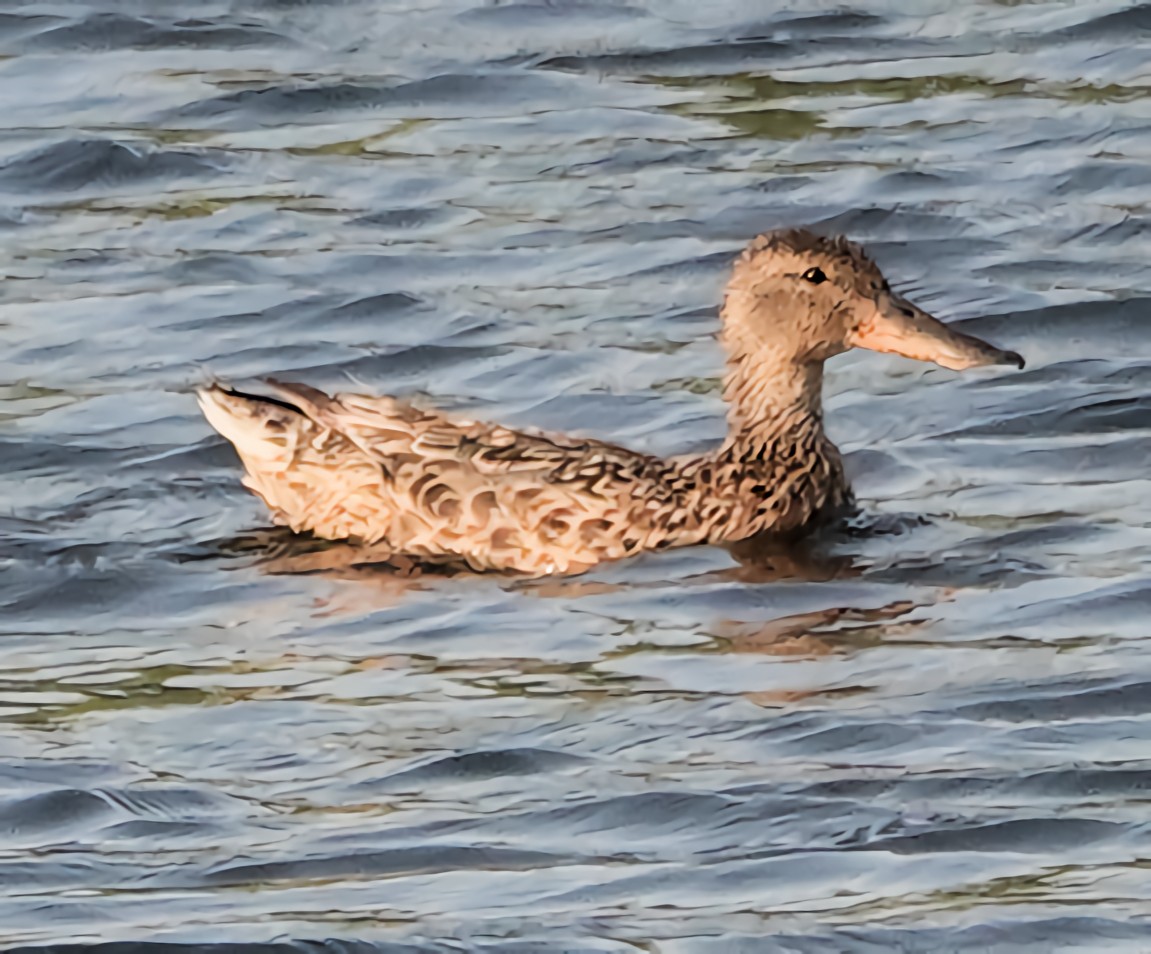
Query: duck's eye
[{"x": 814, "y": 275}]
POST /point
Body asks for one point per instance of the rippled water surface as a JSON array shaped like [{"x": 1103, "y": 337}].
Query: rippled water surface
[{"x": 930, "y": 731}]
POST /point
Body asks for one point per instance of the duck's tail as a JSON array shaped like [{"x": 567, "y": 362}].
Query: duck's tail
[
  {"x": 309, "y": 474},
  {"x": 264, "y": 427}
]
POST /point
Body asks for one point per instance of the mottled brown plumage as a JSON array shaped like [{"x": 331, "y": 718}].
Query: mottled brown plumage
[{"x": 377, "y": 470}]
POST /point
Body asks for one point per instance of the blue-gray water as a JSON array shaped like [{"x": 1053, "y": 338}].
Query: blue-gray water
[{"x": 931, "y": 733}]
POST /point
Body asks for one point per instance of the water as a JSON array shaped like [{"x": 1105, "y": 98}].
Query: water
[{"x": 926, "y": 732}]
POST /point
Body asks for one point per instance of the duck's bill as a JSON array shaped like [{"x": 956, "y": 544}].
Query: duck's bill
[{"x": 899, "y": 327}]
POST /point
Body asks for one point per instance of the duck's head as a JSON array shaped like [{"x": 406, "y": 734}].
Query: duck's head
[{"x": 798, "y": 298}]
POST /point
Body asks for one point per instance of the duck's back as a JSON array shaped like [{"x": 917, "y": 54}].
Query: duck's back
[{"x": 380, "y": 470}]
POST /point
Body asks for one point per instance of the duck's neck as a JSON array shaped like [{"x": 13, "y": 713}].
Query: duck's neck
[
  {"x": 771, "y": 411},
  {"x": 777, "y": 468},
  {"x": 773, "y": 401}
]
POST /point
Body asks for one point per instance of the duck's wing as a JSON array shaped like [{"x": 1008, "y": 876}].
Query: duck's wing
[
  {"x": 505, "y": 498},
  {"x": 378, "y": 468},
  {"x": 392, "y": 431}
]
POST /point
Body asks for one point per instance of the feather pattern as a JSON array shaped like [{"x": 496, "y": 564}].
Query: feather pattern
[{"x": 383, "y": 472}]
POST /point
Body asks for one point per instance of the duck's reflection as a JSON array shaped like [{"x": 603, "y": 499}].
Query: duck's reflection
[
  {"x": 278, "y": 551},
  {"x": 817, "y": 633},
  {"x": 386, "y": 577},
  {"x": 382, "y": 579}
]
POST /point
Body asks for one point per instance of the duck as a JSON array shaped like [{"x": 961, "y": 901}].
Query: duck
[{"x": 381, "y": 472}]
